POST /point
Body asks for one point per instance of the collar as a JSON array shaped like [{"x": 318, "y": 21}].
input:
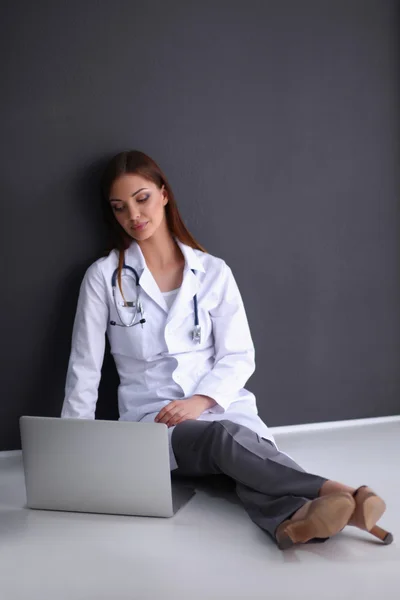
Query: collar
[
  {"x": 134, "y": 257},
  {"x": 190, "y": 284}
]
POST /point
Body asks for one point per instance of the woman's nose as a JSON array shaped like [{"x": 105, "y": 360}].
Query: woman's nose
[{"x": 134, "y": 212}]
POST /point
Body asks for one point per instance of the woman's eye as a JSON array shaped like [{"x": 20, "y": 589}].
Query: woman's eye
[{"x": 121, "y": 208}]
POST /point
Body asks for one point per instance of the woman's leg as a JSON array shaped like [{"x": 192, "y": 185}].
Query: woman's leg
[
  {"x": 210, "y": 448},
  {"x": 271, "y": 485},
  {"x": 268, "y": 511}
]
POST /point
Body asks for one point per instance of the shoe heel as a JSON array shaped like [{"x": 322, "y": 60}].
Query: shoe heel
[
  {"x": 382, "y": 534},
  {"x": 298, "y": 532},
  {"x": 284, "y": 541},
  {"x": 368, "y": 512}
]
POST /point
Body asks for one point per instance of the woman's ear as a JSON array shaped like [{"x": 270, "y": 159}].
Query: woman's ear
[{"x": 165, "y": 197}]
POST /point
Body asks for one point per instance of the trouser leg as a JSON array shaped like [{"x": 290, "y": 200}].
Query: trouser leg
[{"x": 270, "y": 485}]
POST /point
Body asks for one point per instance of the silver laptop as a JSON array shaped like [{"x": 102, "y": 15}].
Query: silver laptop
[{"x": 85, "y": 465}]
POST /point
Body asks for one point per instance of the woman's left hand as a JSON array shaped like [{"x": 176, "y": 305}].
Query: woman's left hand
[{"x": 181, "y": 410}]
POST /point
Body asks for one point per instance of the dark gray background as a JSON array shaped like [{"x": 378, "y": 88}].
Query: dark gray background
[{"x": 277, "y": 124}]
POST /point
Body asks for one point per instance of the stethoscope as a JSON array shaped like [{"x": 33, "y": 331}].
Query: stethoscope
[{"x": 196, "y": 333}]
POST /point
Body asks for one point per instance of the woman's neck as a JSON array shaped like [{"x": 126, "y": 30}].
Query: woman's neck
[{"x": 161, "y": 251}]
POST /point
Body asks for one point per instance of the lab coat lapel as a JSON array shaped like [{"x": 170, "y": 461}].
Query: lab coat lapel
[
  {"x": 134, "y": 258},
  {"x": 149, "y": 285},
  {"x": 190, "y": 284}
]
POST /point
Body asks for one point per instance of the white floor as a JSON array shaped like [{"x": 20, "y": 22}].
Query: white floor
[{"x": 210, "y": 549}]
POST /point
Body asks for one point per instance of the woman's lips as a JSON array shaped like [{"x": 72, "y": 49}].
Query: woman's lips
[{"x": 139, "y": 227}]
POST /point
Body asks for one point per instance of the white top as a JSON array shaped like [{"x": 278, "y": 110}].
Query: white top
[
  {"x": 170, "y": 297},
  {"x": 158, "y": 361}
]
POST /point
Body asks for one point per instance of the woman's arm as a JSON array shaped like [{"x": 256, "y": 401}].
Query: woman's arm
[
  {"x": 234, "y": 349},
  {"x": 87, "y": 348}
]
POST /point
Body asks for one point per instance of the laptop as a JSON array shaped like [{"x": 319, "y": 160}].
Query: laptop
[{"x": 112, "y": 467}]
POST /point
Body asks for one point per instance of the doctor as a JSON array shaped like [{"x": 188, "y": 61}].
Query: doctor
[{"x": 181, "y": 343}]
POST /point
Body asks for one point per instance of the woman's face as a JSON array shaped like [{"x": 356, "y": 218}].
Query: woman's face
[{"x": 138, "y": 205}]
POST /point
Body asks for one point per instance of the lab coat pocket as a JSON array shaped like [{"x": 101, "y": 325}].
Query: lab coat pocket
[
  {"x": 127, "y": 314},
  {"x": 141, "y": 341}
]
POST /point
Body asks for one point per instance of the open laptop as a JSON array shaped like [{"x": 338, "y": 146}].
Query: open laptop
[{"x": 87, "y": 465}]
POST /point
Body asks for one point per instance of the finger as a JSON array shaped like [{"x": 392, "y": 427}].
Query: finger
[
  {"x": 164, "y": 411},
  {"x": 183, "y": 418},
  {"x": 172, "y": 420},
  {"x": 165, "y": 418},
  {"x": 169, "y": 414},
  {"x": 175, "y": 418}
]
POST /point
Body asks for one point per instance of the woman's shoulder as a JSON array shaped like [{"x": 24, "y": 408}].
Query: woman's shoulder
[
  {"x": 217, "y": 275},
  {"x": 210, "y": 261},
  {"x": 102, "y": 266}
]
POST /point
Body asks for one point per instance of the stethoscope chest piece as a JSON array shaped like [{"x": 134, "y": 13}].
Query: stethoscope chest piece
[{"x": 196, "y": 334}]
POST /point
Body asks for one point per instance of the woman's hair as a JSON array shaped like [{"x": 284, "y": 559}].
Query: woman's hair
[{"x": 134, "y": 162}]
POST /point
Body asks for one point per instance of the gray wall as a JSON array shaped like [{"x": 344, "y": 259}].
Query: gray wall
[{"x": 277, "y": 124}]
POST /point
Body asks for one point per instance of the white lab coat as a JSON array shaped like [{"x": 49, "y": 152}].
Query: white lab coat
[{"x": 159, "y": 362}]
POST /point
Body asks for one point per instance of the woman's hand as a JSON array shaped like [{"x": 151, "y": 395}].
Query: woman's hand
[{"x": 181, "y": 410}]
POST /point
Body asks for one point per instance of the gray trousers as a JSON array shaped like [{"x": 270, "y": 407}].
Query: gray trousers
[{"x": 270, "y": 485}]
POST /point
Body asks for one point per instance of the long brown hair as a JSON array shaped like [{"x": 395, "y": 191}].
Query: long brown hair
[{"x": 134, "y": 162}]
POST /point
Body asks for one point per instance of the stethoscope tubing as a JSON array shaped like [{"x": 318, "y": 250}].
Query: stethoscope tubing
[{"x": 139, "y": 308}]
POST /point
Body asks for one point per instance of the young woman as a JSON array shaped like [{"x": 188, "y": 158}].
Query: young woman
[{"x": 181, "y": 343}]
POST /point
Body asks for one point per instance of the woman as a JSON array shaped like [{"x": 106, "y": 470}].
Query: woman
[{"x": 183, "y": 350}]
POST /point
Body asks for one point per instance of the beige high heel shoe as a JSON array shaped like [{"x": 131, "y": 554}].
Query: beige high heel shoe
[
  {"x": 320, "y": 518},
  {"x": 369, "y": 509}
]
